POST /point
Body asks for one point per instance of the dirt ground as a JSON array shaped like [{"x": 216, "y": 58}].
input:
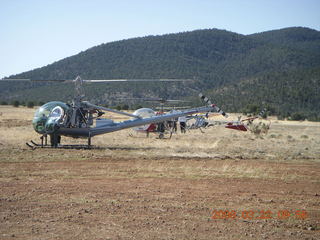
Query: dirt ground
[{"x": 147, "y": 188}]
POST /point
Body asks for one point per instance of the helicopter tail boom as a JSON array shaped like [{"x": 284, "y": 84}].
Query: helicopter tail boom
[{"x": 138, "y": 122}]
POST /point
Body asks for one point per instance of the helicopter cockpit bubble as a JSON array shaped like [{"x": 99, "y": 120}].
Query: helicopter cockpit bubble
[
  {"x": 47, "y": 116},
  {"x": 144, "y": 112}
]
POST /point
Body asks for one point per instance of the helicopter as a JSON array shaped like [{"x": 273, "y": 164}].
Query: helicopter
[
  {"x": 259, "y": 127},
  {"x": 160, "y": 128},
  {"x": 76, "y": 120},
  {"x": 249, "y": 124},
  {"x": 198, "y": 121}
]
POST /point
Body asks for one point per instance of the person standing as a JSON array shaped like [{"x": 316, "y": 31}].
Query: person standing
[{"x": 182, "y": 121}]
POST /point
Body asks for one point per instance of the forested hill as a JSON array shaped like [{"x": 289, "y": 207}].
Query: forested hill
[
  {"x": 234, "y": 69},
  {"x": 303, "y": 39}
]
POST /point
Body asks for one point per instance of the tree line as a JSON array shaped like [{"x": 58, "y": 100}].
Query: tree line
[{"x": 278, "y": 69}]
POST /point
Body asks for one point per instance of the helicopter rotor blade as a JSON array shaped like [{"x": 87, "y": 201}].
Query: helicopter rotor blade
[
  {"x": 173, "y": 100},
  {"x": 262, "y": 112},
  {"x": 15, "y": 79},
  {"x": 98, "y": 80},
  {"x": 34, "y": 80},
  {"x": 136, "y": 80},
  {"x": 155, "y": 100},
  {"x": 207, "y": 101},
  {"x": 172, "y": 108},
  {"x": 163, "y": 100},
  {"x": 110, "y": 110}
]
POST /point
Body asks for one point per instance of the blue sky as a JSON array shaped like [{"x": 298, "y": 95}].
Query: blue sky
[{"x": 35, "y": 33}]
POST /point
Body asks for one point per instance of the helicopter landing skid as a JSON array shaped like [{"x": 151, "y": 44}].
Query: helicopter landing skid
[{"x": 34, "y": 146}]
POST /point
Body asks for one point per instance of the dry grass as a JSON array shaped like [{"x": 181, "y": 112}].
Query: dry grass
[{"x": 285, "y": 141}]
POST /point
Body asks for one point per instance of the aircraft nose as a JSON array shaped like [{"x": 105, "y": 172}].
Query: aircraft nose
[
  {"x": 51, "y": 126},
  {"x": 39, "y": 125}
]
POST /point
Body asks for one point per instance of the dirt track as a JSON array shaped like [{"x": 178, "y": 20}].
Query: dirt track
[
  {"x": 146, "y": 189},
  {"x": 85, "y": 199}
]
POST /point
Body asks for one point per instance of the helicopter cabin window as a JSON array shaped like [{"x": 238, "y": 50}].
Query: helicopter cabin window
[
  {"x": 42, "y": 112},
  {"x": 57, "y": 112}
]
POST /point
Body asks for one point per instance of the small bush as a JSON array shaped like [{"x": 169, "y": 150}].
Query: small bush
[
  {"x": 251, "y": 109},
  {"x": 30, "y": 104},
  {"x": 16, "y": 103},
  {"x": 125, "y": 107},
  {"x": 137, "y": 107},
  {"x": 273, "y": 136},
  {"x": 290, "y": 138},
  {"x": 314, "y": 117},
  {"x": 298, "y": 117},
  {"x": 280, "y": 117}
]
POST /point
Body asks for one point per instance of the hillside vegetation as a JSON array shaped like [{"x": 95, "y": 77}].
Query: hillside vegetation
[{"x": 279, "y": 69}]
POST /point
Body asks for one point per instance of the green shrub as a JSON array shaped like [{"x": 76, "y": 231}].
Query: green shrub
[
  {"x": 30, "y": 104},
  {"x": 298, "y": 117},
  {"x": 125, "y": 107},
  {"x": 16, "y": 103}
]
